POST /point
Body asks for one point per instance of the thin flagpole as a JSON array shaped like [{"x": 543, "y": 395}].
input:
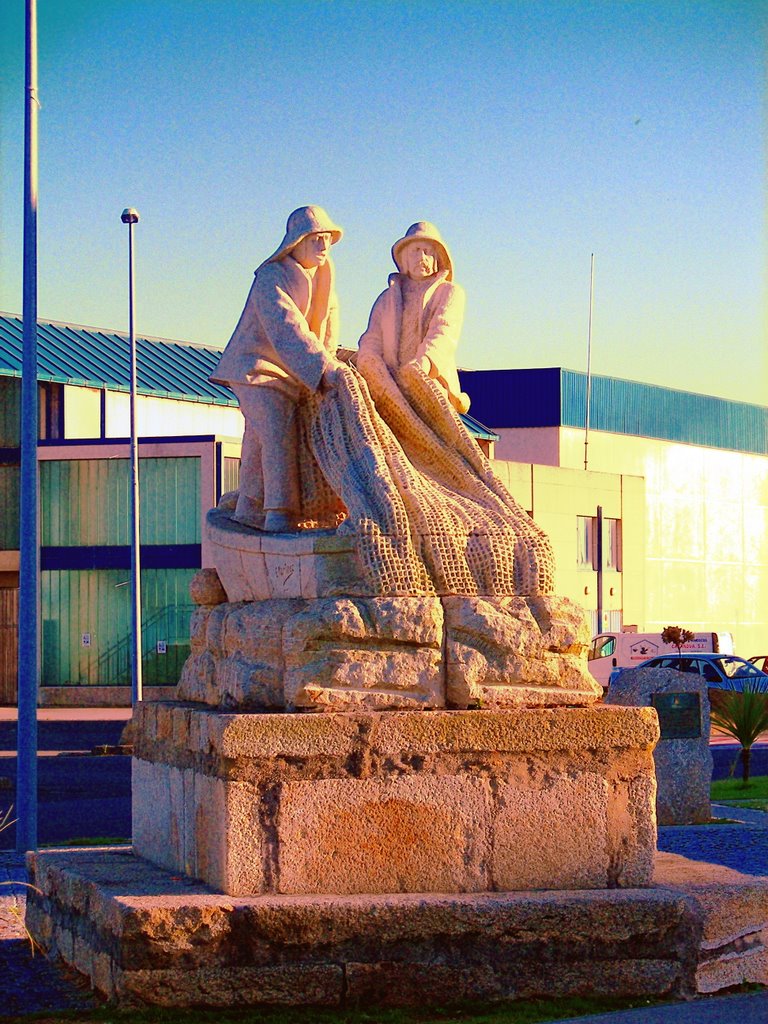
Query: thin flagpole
[
  {"x": 589, "y": 359},
  {"x": 29, "y": 546}
]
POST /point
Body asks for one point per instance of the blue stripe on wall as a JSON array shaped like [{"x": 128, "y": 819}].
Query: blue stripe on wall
[
  {"x": 153, "y": 556},
  {"x": 646, "y": 410},
  {"x": 514, "y": 398}
]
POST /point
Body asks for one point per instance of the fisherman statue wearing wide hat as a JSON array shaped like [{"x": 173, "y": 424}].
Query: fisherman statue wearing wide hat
[
  {"x": 376, "y": 449},
  {"x": 282, "y": 350},
  {"x": 418, "y": 318}
]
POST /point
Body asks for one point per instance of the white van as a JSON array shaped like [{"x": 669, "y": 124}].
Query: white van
[{"x": 623, "y": 650}]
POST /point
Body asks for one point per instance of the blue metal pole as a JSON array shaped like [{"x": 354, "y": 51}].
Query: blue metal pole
[
  {"x": 29, "y": 547},
  {"x": 131, "y": 217}
]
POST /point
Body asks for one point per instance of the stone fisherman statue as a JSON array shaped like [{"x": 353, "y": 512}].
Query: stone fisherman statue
[
  {"x": 372, "y": 558},
  {"x": 418, "y": 317},
  {"x": 377, "y": 449},
  {"x": 282, "y": 350}
]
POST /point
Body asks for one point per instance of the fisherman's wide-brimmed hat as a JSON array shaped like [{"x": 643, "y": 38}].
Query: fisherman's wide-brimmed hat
[
  {"x": 423, "y": 231},
  {"x": 307, "y": 220}
]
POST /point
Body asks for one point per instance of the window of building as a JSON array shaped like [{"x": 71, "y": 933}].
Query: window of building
[
  {"x": 612, "y": 544},
  {"x": 586, "y": 543},
  {"x": 51, "y": 411}
]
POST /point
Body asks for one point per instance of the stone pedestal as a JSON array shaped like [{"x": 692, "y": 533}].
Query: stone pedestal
[{"x": 440, "y": 802}]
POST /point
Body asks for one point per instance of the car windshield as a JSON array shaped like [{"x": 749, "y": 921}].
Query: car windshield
[{"x": 733, "y": 668}]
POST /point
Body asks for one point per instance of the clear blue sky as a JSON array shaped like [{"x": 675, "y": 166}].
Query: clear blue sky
[{"x": 532, "y": 133}]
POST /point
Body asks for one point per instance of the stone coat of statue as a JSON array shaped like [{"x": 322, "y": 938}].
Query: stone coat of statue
[
  {"x": 418, "y": 317},
  {"x": 282, "y": 350}
]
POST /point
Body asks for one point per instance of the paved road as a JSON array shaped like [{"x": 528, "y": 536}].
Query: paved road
[
  {"x": 65, "y": 731},
  {"x": 741, "y": 1009},
  {"x": 78, "y": 796}
]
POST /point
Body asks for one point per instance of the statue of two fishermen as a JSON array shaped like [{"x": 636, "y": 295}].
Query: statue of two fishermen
[{"x": 284, "y": 348}]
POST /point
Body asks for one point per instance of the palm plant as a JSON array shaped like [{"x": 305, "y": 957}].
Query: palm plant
[{"x": 742, "y": 714}]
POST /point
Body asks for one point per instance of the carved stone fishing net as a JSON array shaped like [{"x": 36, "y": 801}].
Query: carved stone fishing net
[{"x": 427, "y": 511}]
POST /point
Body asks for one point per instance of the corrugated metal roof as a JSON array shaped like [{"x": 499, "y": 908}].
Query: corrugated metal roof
[
  {"x": 90, "y": 357},
  {"x": 648, "y": 410},
  {"x": 552, "y": 397}
]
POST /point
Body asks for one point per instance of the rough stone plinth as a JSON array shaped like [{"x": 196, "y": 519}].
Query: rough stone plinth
[
  {"x": 683, "y": 765},
  {"x": 141, "y": 935},
  {"x": 512, "y": 651},
  {"x": 445, "y": 801},
  {"x": 383, "y": 653}
]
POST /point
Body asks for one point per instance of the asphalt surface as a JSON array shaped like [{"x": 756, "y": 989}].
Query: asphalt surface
[
  {"x": 739, "y": 1009},
  {"x": 80, "y": 795}
]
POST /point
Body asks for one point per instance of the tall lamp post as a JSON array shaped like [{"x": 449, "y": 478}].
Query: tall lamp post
[
  {"x": 29, "y": 541},
  {"x": 130, "y": 217}
]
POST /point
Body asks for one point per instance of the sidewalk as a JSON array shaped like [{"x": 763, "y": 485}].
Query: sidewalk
[{"x": 10, "y": 714}]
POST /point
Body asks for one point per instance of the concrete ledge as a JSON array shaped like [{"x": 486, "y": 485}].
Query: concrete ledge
[
  {"x": 98, "y": 696},
  {"x": 141, "y": 935}
]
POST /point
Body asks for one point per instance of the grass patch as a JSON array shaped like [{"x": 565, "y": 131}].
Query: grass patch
[
  {"x": 535, "y": 1011},
  {"x": 737, "y": 792},
  {"x": 89, "y": 841}
]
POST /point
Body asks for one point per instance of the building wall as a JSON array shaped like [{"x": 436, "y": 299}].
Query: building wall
[
  {"x": 529, "y": 444},
  {"x": 706, "y": 531},
  {"x": 556, "y": 498},
  {"x": 169, "y": 498},
  {"x": 86, "y": 626},
  {"x": 82, "y": 412},
  {"x": 164, "y": 417},
  {"x": 85, "y": 556}
]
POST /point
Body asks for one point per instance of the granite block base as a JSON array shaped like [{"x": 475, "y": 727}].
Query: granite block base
[
  {"x": 403, "y": 802},
  {"x": 144, "y": 936}
]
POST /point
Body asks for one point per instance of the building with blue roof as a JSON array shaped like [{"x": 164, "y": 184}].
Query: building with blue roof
[
  {"x": 676, "y": 485},
  {"x": 701, "y": 559}
]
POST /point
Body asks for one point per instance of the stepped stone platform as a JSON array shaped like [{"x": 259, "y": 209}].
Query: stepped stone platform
[
  {"x": 733, "y": 909},
  {"x": 144, "y": 935}
]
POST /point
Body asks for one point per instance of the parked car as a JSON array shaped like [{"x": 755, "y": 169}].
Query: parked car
[
  {"x": 761, "y": 660},
  {"x": 721, "y": 671}
]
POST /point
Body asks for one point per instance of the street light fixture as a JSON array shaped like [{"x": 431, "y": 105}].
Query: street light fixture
[{"x": 130, "y": 217}]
